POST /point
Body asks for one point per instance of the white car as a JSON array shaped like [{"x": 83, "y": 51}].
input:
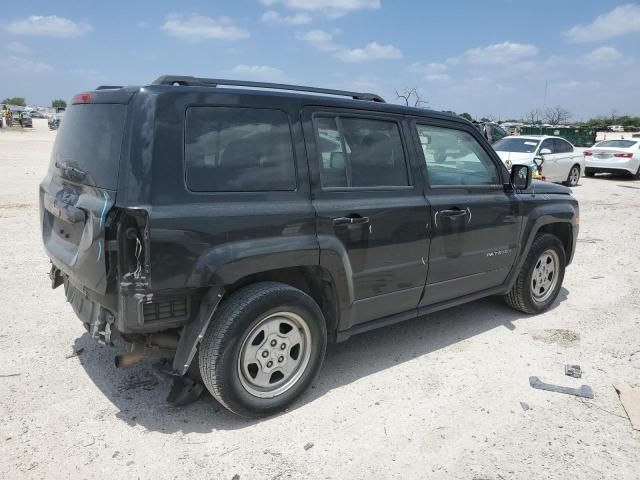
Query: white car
[
  {"x": 561, "y": 163},
  {"x": 614, "y": 156}
]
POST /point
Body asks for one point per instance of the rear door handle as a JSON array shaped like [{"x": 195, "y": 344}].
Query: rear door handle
[
  {"x": 351, "y": 220},
  {"x": 453, "y": 213}
]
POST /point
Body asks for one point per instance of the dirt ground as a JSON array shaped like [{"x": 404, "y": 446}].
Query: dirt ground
[{"x": 438, "y": 397}]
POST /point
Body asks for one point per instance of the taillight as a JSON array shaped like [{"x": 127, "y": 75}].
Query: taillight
[
  {"x": 84, "y": 97},
  {"x": 587, "y": 153},
  {"x": 623, "y": 155}
]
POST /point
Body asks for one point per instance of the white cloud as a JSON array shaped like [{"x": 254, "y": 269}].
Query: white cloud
[
  {"x": 274, "y": 18},
  {"x": 323, "y": 41},
  {"x": 602, "y": 57},
  {"x": 373, "y": 51},
  {"x": 499, "y": 54},
  {"x": 437, "y": 77},
  {"x": 24, "y": 65},
  {"x": 429, "y": 68},
  {"x": 622, "y": 20},
  {"x": 17, "y": 48},
  {"x": 195, "y": 28},
  {"x": 320, "y": 40},
  {"x": 51, "y": 26},
  {"x": 261, "y": 72},
  {"x": 331, "y": 8}
]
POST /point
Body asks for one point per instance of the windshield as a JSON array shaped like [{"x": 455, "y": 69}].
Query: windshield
[
  {"x": 514, "y": 144},
  {"x": 616, "y": 144},
  {"x": 88, "y": 144}
]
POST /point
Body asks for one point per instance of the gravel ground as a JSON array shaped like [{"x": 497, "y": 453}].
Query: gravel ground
[{"x": 438, "y": 397}]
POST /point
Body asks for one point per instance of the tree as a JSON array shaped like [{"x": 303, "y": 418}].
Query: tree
[
  {"x": 58, "y": 104},
  {"x": 533, "y": 117},
  {"x": 18, "y": 101},
  {"x": 467, "y": 116},
  {"x": 411, "y": 97},
  {"x": 556, "y": 115}
]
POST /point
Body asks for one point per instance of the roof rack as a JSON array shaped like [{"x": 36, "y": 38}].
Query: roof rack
[{"x": 214, "y": 82}]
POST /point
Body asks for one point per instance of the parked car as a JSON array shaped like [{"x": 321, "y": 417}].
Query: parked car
[
  {"x": 616, "y": 128},
  {"x": 38, "y": 114},
  {"x": 491, "y": 131},
  {"x": 614, "y": 156},
  {"x": 560, "y": 161},
  {"x": 54, "y": 121},
  {"x": 236, "y": 231}
]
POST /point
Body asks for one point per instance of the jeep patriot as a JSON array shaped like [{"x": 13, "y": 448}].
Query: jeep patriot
[{"x": 231, "y": 229}]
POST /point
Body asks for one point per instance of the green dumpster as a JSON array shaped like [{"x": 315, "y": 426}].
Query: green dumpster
[{"x": 579, "y": 136}]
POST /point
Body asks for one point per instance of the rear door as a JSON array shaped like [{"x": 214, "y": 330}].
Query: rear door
[
  {"x": 474, "y": 223},
  {"x": 371, "y": 212},
  {"x": 80, "y": 189},
  {"x": 552, "y": 167}
]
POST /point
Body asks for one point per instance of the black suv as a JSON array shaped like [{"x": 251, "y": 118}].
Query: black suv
[{"x": 232, "y": 228}]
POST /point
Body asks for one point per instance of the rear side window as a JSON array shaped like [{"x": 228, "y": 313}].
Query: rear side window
[
  {"x": 360, "y": 152},
  {"x": 89, "y": 141},
  {"x": 455, "y": 158},
  {"x": 560, "y": 146},
  {"x": 238, "y": 150}
]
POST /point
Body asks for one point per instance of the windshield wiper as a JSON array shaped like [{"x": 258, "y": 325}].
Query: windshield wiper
[{"x": 71, "y": 173}]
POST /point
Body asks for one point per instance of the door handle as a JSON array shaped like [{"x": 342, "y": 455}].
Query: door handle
[
  {"x": 351, "y": 220},
  {"x": 453, "y": 213}
]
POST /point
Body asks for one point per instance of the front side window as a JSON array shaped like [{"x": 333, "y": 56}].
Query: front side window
[
  {"x": 238, "y": 150},
  {"x": 455, "y": 158},
  {"x": 360, "y": 152},
  {"x": 548, "y": 144}
]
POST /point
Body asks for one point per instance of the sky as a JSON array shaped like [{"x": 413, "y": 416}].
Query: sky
[{"x": 498, "y": 58}]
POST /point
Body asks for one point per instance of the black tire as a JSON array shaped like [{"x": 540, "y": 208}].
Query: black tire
[
  {"x": 521, "y": 296},
  {"x": 234, "y": 320},
  {"x": 589, "y": 173},
  {"x": 570, "y": 183},
  {"x": 637, "y": 175}
]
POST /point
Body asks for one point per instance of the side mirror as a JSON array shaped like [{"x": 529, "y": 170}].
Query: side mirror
[
  {"x": 545, "y": 151},
  {"x": 521, "y": 176},
  {"x": 538, "y": 161}
]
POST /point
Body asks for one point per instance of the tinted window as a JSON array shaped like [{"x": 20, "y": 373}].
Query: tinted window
[
  {"x": 561, "y": 146},
  {"x": 238, "y": 150},
  {"x": 548, "y": 143},
  {"x": 89, "y": 140},
  {"x": 515, "y": 144},
  {"x": 616, "y": 143},
  {"x": 454, "y": 157},
  {"x": 359, "y": 152}
]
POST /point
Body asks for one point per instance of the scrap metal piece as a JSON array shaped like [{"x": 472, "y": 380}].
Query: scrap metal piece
[
  {"x": 584, "y": 390},
  {"x": 573, "y": 371}
]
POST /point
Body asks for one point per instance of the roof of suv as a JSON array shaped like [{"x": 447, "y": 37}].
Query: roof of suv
[{"x": 325, "y": 96}]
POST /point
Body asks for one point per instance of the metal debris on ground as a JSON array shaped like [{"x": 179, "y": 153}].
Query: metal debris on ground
[
  {"x": 525, "y": 406},
  {"x": 573, "y": 371},
  {"x": 308, "y": 446},
  {"x": 584, "y": 390},
  {"x": 630, "y": 398},
  {"x": 75, "y": 353}
]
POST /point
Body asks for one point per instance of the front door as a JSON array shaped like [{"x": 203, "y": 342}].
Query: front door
[
  {"x": 474, "y": 223},
  {"x": 371, "y": 216}
]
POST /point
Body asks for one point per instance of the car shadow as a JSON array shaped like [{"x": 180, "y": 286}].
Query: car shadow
[{"x": 139, "y": 392}]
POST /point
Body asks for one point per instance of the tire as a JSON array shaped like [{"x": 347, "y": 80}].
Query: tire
[
  {"x": 244, "y": 328},
  {"x": 574, "y": 176},
  {"x": 529, "y": 297},
  {"x": 589, "y": 173},
  {"x": 637, "y": 175}
]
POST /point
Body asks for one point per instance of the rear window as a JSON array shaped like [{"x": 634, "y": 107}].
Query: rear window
[
  {"x": 238, "y": 150},
  {"x": 616, "y": 144},
  {"x": 513, "y": 144},
  {"x": 89, "y": 142}
]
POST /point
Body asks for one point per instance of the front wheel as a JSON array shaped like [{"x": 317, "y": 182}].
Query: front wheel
[
  {"x": 574, "y": 176},
  {"x": 263, "y": 349},
  {"x": 540, "y": 278}
]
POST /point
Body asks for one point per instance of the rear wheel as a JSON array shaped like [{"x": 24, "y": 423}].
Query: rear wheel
[
  {"x": 637, "y": 175},
  {"x": 264, "y": 347},
  {"x": 574, "y": 176},
  {"x": 540, "y": 278}
]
